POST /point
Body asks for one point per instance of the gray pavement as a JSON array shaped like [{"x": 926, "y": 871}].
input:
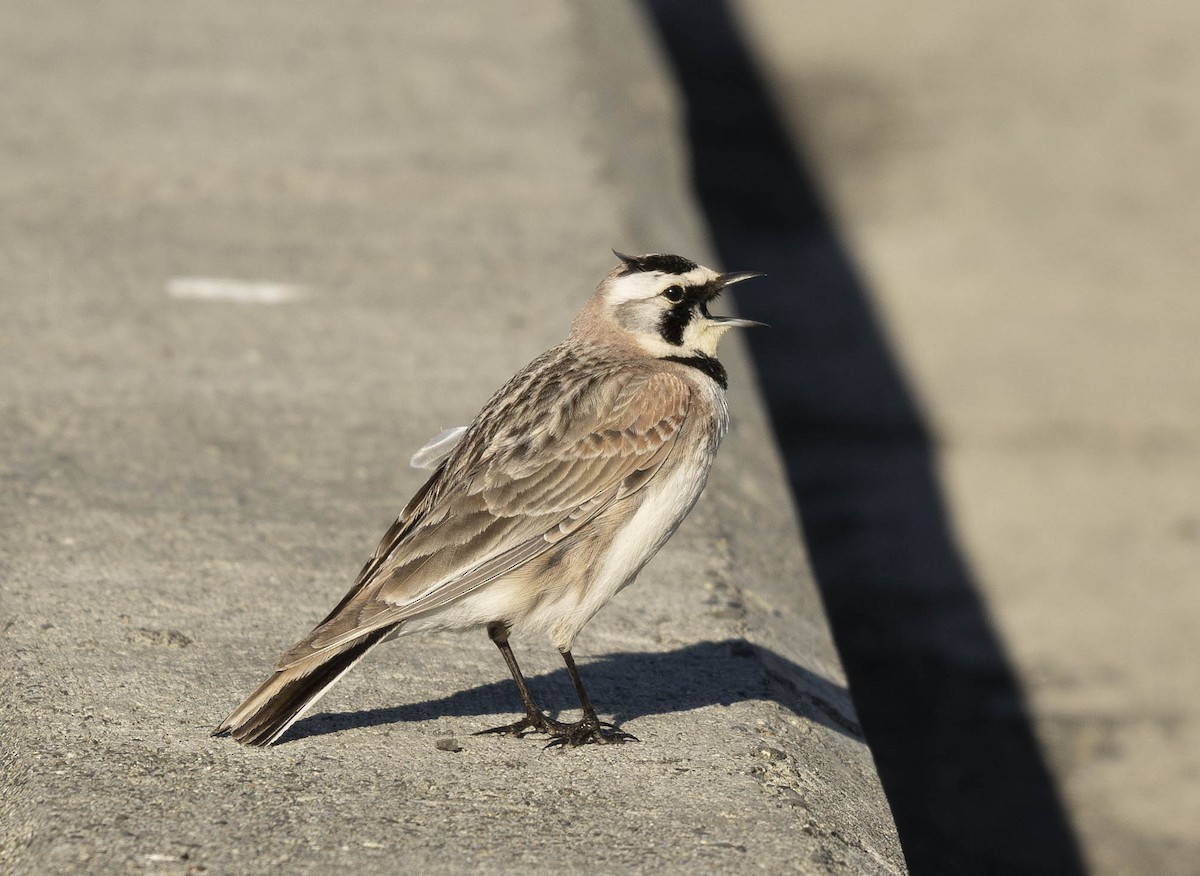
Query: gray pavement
[
  {"x": 1017, "y": 184},
  {"x": 190, "y": 482}
]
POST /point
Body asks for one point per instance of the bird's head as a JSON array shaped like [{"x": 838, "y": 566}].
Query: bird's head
[{"x": 660, "y": 304}]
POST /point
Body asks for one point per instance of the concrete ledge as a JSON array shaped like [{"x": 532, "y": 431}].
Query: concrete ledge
[{"x": 192, "y": 482}]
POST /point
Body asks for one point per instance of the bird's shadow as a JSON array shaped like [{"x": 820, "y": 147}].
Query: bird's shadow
[{"x": 631, "y": 685}]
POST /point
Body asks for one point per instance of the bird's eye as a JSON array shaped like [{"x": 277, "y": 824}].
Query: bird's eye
[{"x": 674, "y": 294}]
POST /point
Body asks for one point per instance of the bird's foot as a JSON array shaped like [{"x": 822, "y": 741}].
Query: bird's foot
[
  {"x": 589, "y": 730},
  {"x": 582, "y": 732},
  {"x": 529, "y": 724}
]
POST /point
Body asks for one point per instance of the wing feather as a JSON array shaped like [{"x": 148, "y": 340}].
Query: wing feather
[{"x": 506, "y": 496}]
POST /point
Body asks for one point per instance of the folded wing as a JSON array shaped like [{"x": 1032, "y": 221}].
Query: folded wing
[{"x": 505, "y": 496}]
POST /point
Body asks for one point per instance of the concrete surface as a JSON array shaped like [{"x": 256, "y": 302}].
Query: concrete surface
[
  {"x": 1017, "y": 184},
  {"x": 190, "y": 482}
]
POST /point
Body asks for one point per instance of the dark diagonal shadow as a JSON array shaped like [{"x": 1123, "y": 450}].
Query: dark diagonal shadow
[
  {"x": 936, "y": 694},
  {"x": 628, "y": 686}
]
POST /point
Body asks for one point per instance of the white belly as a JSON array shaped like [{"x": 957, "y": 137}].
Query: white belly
[
  {"x": 662, "y": 505},
  {"x": 665, "y": 504}
]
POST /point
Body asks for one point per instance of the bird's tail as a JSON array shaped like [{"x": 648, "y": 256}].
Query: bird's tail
[{"x": 289, "y": 693}]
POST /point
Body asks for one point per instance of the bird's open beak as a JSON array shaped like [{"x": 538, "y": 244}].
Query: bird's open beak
[
  {"x": 728, "y": 280},
  {"x": 735, "y": 322}
]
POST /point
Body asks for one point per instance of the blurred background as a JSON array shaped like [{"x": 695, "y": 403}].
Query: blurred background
[{"x": 980, "y": 222}]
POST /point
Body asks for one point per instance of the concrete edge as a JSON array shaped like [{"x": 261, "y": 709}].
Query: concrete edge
[{"x": 646, "y": 158}]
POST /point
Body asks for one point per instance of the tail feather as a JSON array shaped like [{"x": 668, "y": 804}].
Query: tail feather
[{"x": 289, "y": 693}]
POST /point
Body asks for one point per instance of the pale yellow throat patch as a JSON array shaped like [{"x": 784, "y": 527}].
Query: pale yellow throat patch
[{"x": 702, "y": 336}]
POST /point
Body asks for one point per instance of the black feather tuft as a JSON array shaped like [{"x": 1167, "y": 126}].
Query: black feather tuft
[{"x": 667, "y": 264}]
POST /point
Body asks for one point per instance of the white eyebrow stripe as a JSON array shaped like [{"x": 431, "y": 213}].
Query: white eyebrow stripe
[{"x": 647, "y": 284}]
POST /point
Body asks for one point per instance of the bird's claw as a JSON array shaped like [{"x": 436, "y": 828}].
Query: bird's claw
[
  {"x": 583, "y": 732},
  {"x": 590, "y": 730},
  {"x": 528, "y": 725}
]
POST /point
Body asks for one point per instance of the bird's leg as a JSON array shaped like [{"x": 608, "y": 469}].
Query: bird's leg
[
  {"x": 534, "y": 721},
  {"x": 589, "y": 728}
]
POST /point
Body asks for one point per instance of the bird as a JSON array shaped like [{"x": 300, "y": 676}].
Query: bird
[{"x": 566, "y": 483}]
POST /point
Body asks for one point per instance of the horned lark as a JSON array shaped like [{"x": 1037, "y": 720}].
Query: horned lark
[{"x": 567, "y": 482}]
